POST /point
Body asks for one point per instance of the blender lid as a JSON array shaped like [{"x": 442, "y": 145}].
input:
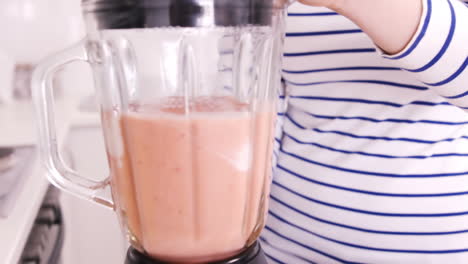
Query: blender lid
[{"x": 125, "y": 14}]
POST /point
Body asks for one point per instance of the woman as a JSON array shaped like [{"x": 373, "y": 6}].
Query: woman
[{"x": 372, "y": 154}]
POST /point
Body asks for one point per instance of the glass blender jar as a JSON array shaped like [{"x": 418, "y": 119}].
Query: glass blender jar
[{"x": 187, "y": 92}]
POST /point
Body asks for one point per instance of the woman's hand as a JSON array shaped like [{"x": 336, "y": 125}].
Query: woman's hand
[{"x": 390, "y": 23}]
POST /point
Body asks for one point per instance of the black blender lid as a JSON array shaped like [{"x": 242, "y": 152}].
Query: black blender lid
[
  {"x": 126, "y": 14},
  {"x": 252, "y": 255}
]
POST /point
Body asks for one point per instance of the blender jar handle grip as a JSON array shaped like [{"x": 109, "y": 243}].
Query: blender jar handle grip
[{"x": 58, "y": 173}]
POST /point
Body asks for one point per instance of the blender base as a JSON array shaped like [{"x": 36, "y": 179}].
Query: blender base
[{"x": 252, "y": 255}]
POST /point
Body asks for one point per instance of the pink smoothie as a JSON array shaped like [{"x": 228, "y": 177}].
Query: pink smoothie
[{"x": 193, "y": 187}]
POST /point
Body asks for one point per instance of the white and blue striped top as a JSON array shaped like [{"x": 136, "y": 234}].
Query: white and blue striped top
[{"x": 372, "y": 150}]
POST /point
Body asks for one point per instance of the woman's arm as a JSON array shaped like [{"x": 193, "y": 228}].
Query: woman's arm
[
  {"x": 428, "y": 38},
  {"x": 389, "y": 23}
]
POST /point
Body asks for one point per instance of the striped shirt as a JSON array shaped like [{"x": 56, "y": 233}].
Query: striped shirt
[{"x": 371, "y": 150}]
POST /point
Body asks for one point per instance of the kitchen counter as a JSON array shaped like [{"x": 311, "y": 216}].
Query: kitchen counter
[
  {"x": 15, "y": 229},
  {"x": 18, "y": 129}
]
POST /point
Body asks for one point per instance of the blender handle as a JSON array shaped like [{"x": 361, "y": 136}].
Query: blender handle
[{"x": 58, "y": 173}]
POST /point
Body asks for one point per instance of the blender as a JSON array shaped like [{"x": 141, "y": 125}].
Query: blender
[{"x": 187, "y": 93}]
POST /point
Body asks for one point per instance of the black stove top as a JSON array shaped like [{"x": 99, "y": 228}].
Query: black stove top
[{"x": 6, "y": 158}]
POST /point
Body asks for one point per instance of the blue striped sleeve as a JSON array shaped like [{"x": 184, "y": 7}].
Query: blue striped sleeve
[{"x": 438, "y": 53}]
